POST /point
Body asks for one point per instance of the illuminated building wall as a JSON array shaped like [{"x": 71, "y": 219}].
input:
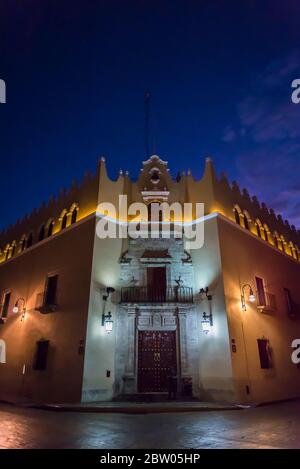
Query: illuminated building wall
[{"x": 243, "y": 240}]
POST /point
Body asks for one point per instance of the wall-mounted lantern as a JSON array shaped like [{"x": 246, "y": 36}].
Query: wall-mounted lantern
[
  {"x": 107, "y": 322},
  {"x": 251, "y": 296},
  {"x": 207, "y": 319},
  {"x": 16, "y": 308},
  {"x": 207, "y": 322},
  {"x": 205, "y": 293}
]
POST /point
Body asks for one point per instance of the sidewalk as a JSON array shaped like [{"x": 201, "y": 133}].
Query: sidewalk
[{"x": 139, "y": 408}]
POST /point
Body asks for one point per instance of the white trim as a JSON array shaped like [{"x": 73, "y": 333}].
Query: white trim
[
  {"x": 8, "y": 291},
  {"x": 2, "y": 351},
  {"x": 155, "y": 158}
]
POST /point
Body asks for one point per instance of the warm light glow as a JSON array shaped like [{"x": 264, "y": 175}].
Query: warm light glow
[
  {"x": 206, "y": 327},
  {"x": 109, "y": 326},
  {"x": 252, "y": 298},
  {"x": 15, "y": 309}
]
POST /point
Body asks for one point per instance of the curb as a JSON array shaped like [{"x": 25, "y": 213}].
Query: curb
[
  {"x": 131, "y": 410},
  {"x": 142, "y": 409}
]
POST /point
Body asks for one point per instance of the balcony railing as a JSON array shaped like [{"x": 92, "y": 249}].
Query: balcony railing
[
  {"x": 43, "y": 306},
  {"x": 270, "y": 304},
  {"x": 150, "y": 295}
]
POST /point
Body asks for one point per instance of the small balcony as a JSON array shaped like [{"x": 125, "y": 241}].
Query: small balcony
[
  {"x": 267, "y": 304},
  {"x": 43, "y": 305},
  {"x": 147, "y": 295}
]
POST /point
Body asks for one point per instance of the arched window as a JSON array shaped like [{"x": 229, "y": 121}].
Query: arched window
[
  {"x": 13, "y": 249},
  {"x": 247, "y": 220},
  {"x": 42, "y": 233},
  {"x": 237, "y": 212},
  {"x": 284, "y": 244},
  {"x": 29, "y": 241},
  {"x": 64, "y": 220},
  {"x": 23, "y": 243},
  {"x": 7, "y": 252},
  {"x": 293, "y": 250},
  {"x": 50, "y": 228},
  {"x": 260, "y": 229},
  {"x": 74, "y": 216},
  {"x": 267, "y": 234},
  {"x": 74, "y": 212},
  {"x": 276, "y": 239}
]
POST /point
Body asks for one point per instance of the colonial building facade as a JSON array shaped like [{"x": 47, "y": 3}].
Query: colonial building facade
[{"x": 90, "y": 319}]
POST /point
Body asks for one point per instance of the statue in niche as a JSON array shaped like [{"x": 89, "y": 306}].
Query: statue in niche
[
  {"x": 156, "y": 320},
  {"x": 133, "y": 281},
  {"x": 179, "y": 281}
]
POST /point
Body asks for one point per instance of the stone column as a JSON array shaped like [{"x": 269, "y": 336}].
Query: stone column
[
  {"x": 130, "y": 376},
  {"x": 184, "y": 359}
]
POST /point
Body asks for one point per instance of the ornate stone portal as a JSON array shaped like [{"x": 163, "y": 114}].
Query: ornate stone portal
[{"x": 140, "y": 312}]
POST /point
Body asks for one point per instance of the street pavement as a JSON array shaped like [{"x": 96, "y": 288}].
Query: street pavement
[{"x": 273, "y": 426}]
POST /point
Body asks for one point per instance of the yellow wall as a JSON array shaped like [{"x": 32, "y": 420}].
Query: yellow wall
[
  {"x": 70, "y": 255},
  {"x": 243, "y": 257}
]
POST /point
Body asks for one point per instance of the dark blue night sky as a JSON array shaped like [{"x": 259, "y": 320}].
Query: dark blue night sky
[{"x": 220, "y": 74}]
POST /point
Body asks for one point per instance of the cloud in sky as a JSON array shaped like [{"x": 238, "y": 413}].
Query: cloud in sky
[
  {"x": 229, "y": 135},
  {"x": 267, "y": 138}
]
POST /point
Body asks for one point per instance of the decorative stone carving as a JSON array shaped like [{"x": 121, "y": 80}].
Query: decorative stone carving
[
  {"x": 187, "y": 259},
  {"x": 124, "y": 259},
  {"x": 156, "y": 320}
]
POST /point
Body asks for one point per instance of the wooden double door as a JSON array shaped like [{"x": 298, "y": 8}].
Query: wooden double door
[
  {"x": 156, "y": 357},
  {"x": 156, "y": 284}
]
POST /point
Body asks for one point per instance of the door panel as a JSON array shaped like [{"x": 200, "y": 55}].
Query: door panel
[{"x": 156, "y": 354}]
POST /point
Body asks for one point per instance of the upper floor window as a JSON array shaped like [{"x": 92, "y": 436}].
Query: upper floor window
[
  {"x": 261, "y": 293},
  {"x": 5, "y": 304},
  {"x": 51, "y": 291}
]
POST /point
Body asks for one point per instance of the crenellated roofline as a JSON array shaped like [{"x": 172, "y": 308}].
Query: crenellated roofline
[{"x": 217, "y": 193}]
